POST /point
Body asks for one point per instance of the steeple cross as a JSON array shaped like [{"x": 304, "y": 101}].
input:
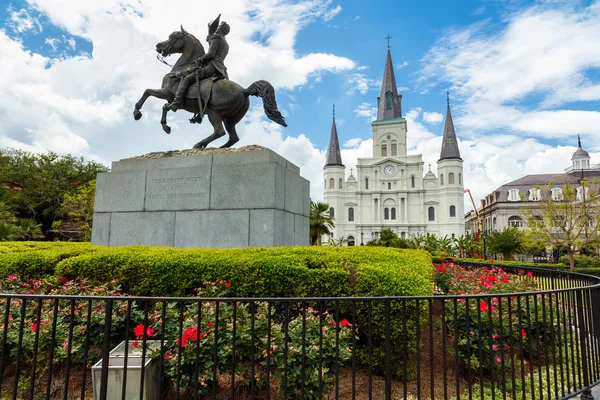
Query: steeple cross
[
  {"x": 388, "y": 37},
  {"x": 351, "y": 171}
]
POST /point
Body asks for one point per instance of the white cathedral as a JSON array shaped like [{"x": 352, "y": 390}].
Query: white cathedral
[{"x": 390, "y": 189}]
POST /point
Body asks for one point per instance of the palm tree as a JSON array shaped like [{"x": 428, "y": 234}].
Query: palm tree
[
  {"x": 321, "y": 222},
  {"x": 386, "y": 237}
]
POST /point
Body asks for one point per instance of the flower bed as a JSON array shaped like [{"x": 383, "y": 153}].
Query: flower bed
[
  {"x": 495, "y": 333},
  {"x": 198, "y": 337}
]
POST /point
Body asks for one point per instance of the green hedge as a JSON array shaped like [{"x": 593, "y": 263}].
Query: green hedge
[
  {"x": 37, "y": 259},
  {"x": 258, "y": 272},
  {"x": 582, "y": 261},
  {"x": 438, "y": 260}
]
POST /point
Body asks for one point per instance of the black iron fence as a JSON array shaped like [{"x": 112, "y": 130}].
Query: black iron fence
[{"x": 534, "y": 345}]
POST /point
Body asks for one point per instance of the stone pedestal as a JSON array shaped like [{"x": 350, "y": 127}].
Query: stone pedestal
[{"x": 247, "y": 197}]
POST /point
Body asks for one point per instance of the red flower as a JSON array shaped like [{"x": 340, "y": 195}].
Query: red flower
[
  {"x": 34, "y": 327},
  {"x": 62, "y": 280},
  {"x": 228, "y": 284},
  {"x": 521, "y": 271},
  {"x": 491, "y": 261},
  {"x": 344, "y": 322},
  {"x": 150, "y": 332},
  {"x": 442, "y": 268},
  {"x": 139, "y": 331},
  {"x": 135, "y": 343},
  {"x": 523, "y": 333},
  {"x": 181, "y": 342},
  {"x": 530, "y": 274},
  {"x": 483, "y": 306},
  {"x": 210, "y": 323}
]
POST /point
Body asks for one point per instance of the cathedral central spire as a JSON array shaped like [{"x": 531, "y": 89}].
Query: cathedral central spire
[
  {"x": 389, "y": 102},
  {"x": 334, "y": 156}
]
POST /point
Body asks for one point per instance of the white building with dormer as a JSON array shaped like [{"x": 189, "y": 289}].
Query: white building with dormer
[
  {"x": 391, "y": 189},
  {"x": 503, "y": 207}
]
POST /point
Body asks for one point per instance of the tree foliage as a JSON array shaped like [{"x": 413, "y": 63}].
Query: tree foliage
[
  {"x": 389, "y": 238},
  {"x": 77, "y": 210},
  {"x": 321, "y": 222},
  {"x": 35, "y": 185},
  {"x": 570, "y": 222},
  {"x": 506, "y": 242}
]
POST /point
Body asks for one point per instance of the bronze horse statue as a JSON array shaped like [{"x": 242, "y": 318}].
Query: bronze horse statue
[{"x": 228, "y": 101}]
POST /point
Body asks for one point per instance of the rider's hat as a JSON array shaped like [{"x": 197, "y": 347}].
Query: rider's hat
[{"x": 213, "y": 25}]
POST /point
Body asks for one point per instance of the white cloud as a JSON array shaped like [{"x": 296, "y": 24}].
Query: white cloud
[
  {"x": 362, "y": 68},
  {"x": 354, "y": 142},
  {"x": 52, "y": 42},
  {"x": 22, "y": 21},
  {"x": 544, "y": 53},
  {"x": 366, "y": 110},
  {"x": 359, "y": 82},
  {"x": 432, "y": 117},
  {"x": 330, "y": 14},
  {"x": 402, "y": 65}
]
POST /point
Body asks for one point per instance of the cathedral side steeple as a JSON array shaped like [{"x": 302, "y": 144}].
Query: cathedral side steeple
[
  {"x": 389, "y": 102},
  {"x": 449, "y": 142},
  {"x": 334, "y": 156}
]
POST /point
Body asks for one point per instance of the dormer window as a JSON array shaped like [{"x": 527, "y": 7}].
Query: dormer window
[
  {"x": 388, "y": 100},
  {"x": 557, "y": 194},
  {"x": 580, "y": 191},
  {"x": 513, "y": 195},
  {"x": 535, "y": 194}
]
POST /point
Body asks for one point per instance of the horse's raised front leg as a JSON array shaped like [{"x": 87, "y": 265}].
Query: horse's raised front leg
[
  {"x": 158, "y": 93},
  {"x": 217, "y": 123}
]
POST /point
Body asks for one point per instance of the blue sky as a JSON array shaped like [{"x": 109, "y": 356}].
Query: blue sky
[{"x": 524, "y": 77}]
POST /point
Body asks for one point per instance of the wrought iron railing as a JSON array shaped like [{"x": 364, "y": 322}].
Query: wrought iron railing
[{"x": 534, "y": 345}]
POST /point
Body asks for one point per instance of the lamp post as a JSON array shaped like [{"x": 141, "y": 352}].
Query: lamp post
[
  {"x": 484, "y": 247},
  {"x": 361, "y": 238}
]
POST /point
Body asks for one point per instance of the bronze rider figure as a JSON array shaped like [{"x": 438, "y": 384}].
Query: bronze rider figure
[{"x": 210, "y": 64}]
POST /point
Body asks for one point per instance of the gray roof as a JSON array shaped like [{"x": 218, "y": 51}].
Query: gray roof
[
  {"x": 528, "y": 182},
  {"x": 449, "y": 142},
  {"x": 389, "y": 85},
  {"x": 334, "y": 156}
]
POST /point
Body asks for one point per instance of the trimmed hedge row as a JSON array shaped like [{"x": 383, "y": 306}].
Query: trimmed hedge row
[
  {"x": 259, "y": 272},
  {"x": 37, "y": 259},
  {"x": 437, "y": 260}
]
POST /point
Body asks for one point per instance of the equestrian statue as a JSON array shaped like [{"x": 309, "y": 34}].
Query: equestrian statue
[{"x": 199, "y": 83}]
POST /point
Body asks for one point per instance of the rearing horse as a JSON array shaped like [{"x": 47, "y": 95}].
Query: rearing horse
[{"x": 228, "y": 102}]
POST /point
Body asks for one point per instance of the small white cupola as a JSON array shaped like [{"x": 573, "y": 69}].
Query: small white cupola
[{"x": 581, "y": 158}]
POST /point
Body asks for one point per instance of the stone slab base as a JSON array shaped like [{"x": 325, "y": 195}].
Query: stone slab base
[{"x": 222, "y": 198}]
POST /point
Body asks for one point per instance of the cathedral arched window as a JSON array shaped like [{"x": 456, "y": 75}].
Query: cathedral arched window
[
  {"x": 366, "y": 183},
  {"x": 459, "y": 178},
  {"x": 412, "y": 181},
  {"x": 351, "y": 214},
  {"x": 388, "y": 100},
  {"x": 393, "y": 213},
  {"x": 386, "y": 213},
  {"x": 331, "y": 183},
  {"x": 451, "y": 178},
  {"x": 384, "y": 150},
  {"x": 389, "y": 185},
  {"x": 441, "y": 179},
  {"x": 394, "y": 149},
  {"x": 340, "y": 183},
  {"x": 452, "y": 211},
  {"x": 331, "y": 212},
  {"x": 431, "y": 213}
]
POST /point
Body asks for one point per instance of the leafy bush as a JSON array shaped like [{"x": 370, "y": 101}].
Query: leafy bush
[
  {"x": 582, "y": 261},
  {"x": 486, "y": 331}
]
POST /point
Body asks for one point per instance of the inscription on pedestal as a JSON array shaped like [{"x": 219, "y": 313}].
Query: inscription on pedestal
[{"x": 177, "y": 189}]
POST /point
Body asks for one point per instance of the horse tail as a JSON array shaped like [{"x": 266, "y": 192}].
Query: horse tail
[{"x": 265, "y": 90}]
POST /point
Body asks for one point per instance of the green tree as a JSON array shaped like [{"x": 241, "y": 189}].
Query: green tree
[
  {"x": 506, "y": 242},
  {"x": 321, "y": 222},
  {"x": 568, "y": 220},
  {"x": 77, "y": 213},
  {"x": 38, "y": 183}
]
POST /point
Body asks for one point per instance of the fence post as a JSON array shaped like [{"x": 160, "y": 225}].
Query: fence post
[
  {"x": 106, "y": 349},
  {"x": 583, "y": 335}
]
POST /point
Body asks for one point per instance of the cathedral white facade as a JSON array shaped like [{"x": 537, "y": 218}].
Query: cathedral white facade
[{"x": 391, "y": 189}]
